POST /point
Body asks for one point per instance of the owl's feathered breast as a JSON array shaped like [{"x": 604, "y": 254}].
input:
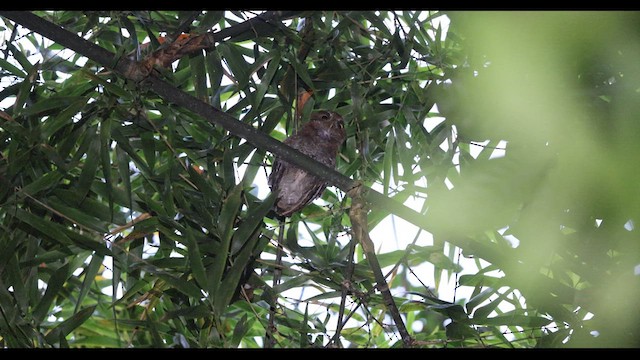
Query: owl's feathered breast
[{"x": 318, "y": 139}]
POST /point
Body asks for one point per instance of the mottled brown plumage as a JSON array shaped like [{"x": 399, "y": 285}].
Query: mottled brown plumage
[{"x": 320, "y": 139}]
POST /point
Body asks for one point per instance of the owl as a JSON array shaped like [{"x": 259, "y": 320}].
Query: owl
[{"x": 320, "y": 139}]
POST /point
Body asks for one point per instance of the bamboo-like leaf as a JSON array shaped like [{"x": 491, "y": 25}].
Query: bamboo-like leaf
[
  {"x": 240, "y": 262},
  {"x": 251, "y": 222},
  {"x": 195, "y": 260},
  {"x": 302, "y": 72},
  {"x": 54, "y": 286},
  {"x": 304, "y": 330},
  {"x": 78, "y": 216},
  {"x": 124, "y": 145},
  {"x": 184, "y": 286},
  {"x": 64, "y": 117},
  {"x": 42, "y": 227},
  {"x": 4, "y": 64},
  {"x": 483, "y": 312},
  {"x": 197, "y": 64},
  {"x": 45, "y": 182},
  {"x": 67, "y": 326},
  {"x": 480, "y": 279},
  {"x": 131, "y": 28},
  {"x": 89, "y": 277},
  {"x": 526, "y": 321},
  {"x": 98, "y": 341},
  {"x": 109, "y": 86},
  {"x": 228, "y": 214},
  {"x": 191, "y": 312},
  {"x": 91, "y": 163},
  {"x": 291, "y": 283},
  {"x": 207, "y": 189},
  {"x": 324, "y": 296},
  {"x": 125, "y": 176},
  {"x": 148, "y": 148},
  {"x": 265, "y": 83},
  {"x": 13, "y": 128},
  {"x": 215, "y": 71},
  {"x": 456, "y": 330},
  {"x": 55, "y": 103},
  {"x": 388, "y": 152},
  {"x": 239, "y": 331},
  {"x": 236, "y": 63},
  {"x": 480, "y": 298},
  {"x": 105, "y": 160}
]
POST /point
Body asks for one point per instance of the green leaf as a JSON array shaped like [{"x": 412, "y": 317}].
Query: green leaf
[
  {"x": 480, "y": 280},
  {"x": 25, "y": 88},
  {"x": 4, "y": 64},
  {"x": 302, "y": 72},
  {"x": 197, "y": 64},
  {"x": 54, "y": 286},
  {"x": 388, "y": 151},
  {"x": 456, "y": 330},
  {"x": 56, "y": 103},
  {"x": 131, "y": 28},
  {"x": 184, "y": 286},
  {"x": 478, "y": 299},
  {"x": 20, "y": 57},
  {"x": 105, "y": 159},
  {"x": 90, "y": 274},
  {"x": 190, "y": 312},
  {"x": 291, "y": 283},
  {"x": 195, "y": 260},
  {"x": 390, "y": 258},
  {"x": 239, "y": 331},
  {"x": 252, "y": 221},
  {"x": 125, "y": 176},
  {"x": 526, "y": 321},
  {"x": 88, "y": 174},
  {"x": 235, "y": 61},
  {"x": 41, "y": 227},
  {"x": 70, "y": 324},
  {"x": 265, "y": 82},
  {"x": 64, "y": 117},
  {"x": 228, "y": 214},
  {"x": 45, "y": 182},
  {"x": 109, "y": 86},
  {"x": 78, "y": 216},
  {"x": 232, "y": 277},
  {"x": 148, "y": 148}
]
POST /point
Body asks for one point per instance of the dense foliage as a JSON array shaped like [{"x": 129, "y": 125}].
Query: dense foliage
[{"x": 129, "y": 221}]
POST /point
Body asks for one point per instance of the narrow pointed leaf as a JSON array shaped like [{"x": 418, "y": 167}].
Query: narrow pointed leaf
[
  {"x": 89, "y": 277},
  {"x": 70, "y": 324}
]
